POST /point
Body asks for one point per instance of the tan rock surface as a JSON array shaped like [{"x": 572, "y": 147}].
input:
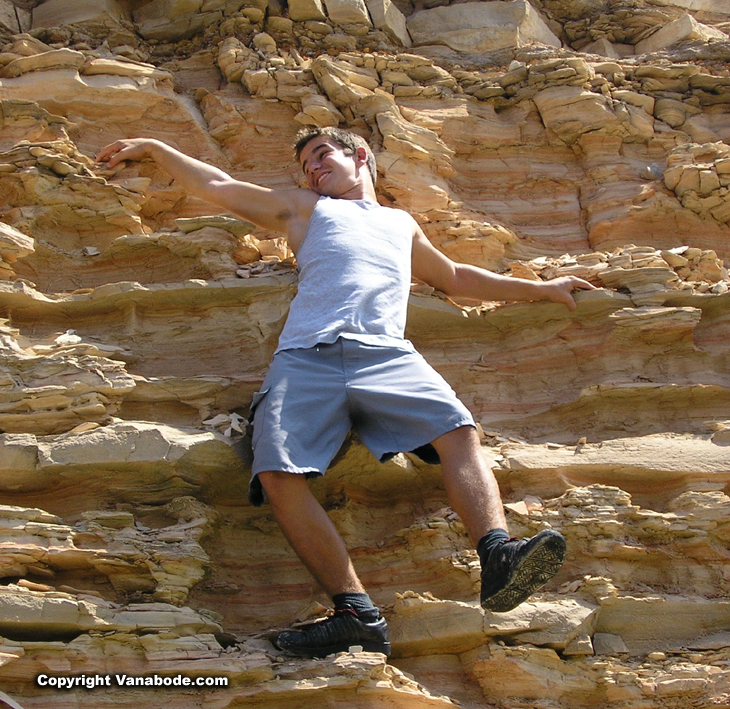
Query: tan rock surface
[
  {"x": 481, "y": 27},
  {"x": 138, "y": 322},
  {"x": 685, "y": 27},
  {"x": 53, "y": 13}
]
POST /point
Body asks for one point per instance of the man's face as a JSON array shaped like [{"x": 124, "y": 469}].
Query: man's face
[{"x": 328, "y": 169}]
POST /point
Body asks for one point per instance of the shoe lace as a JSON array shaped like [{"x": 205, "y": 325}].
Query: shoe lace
[
  {"x": 345, "y": 610},
  {"x": 333, "y": 628},
  {"x": 327, "y": 620},
  {"x": 507, "y": 551}
]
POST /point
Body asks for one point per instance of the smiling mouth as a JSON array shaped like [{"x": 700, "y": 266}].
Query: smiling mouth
[{"x": 319, "y": 178}]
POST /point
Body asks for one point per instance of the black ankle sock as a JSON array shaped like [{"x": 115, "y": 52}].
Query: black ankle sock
[
  {"x": 360, "y": 603},
  {"x": 493, "y": 538}
]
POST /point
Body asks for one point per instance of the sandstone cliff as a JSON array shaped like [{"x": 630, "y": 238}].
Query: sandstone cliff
[{"x": 540, "y": 138}]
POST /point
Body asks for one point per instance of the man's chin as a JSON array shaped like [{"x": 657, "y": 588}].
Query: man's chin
[{"x": 324, "y": 193}]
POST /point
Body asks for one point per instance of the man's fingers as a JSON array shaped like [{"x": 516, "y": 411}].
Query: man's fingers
[
  {"x": 581, "y": 283},
  {"x": 113, "y": 153},
  {"x": 107, "y": 150},
  {"x": 567, "y": 299},
  {"x": 115, "y": 159},
  {"x": 563, "y": 288},
  {"x": 105, "y": 154}
]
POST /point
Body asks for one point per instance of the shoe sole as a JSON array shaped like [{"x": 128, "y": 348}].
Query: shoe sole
[
  {"x": 298, "y": 651},
  {"x": 538, "y": 566}
]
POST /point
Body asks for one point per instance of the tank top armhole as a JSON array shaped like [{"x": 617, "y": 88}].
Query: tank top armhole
[{"x": 311, "y": 221}]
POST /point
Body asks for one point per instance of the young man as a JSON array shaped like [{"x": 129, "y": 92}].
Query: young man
[{"x": 342, "y": 361}]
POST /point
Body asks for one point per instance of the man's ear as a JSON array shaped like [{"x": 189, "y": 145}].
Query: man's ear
[{"x": 361, "y": 156}]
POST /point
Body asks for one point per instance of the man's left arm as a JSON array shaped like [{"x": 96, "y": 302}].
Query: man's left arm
[{"x": 459, "y": 280}]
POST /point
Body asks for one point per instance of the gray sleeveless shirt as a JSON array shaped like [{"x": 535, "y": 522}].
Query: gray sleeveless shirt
[{"x": 354, "y": 276}]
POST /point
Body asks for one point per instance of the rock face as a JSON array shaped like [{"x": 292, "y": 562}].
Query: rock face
[
  {"x": 481, "y": 27},
  {"x": 536, "y": 139}
]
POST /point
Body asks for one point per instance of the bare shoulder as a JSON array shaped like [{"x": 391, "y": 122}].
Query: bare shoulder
[
  {"x": 281, "y": 210},
  {"x": 289, "y": 204},
  {"x": 428, "y": 264},
  {"x": 301, "y": 204},
  {"x": 420, "y": 240},
  {"x": 305, "y": 200}
]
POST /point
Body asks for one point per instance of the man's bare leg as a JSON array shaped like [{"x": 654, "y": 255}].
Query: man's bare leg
[
  {"x": 317, "y": 543},
  {"x": 310, "y": 532},
  {"x": 512, "y": 569},
  {"x": 470, "y": 484}
]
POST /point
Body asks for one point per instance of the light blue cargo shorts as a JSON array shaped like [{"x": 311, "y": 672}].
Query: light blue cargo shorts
[{"x": 311, "y": 399}]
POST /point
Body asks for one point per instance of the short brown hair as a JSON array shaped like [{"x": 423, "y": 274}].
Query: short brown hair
[{"x": 350, "y": 142}]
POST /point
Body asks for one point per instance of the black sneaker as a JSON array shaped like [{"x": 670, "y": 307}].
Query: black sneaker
[
  {"x": 337, "y": 633},
  {"x": 518, "y": 567}
]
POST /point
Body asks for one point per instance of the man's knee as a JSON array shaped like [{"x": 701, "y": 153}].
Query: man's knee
[
  {"x": 279, "y": 484},
  {"x": 456, "y": 439}
]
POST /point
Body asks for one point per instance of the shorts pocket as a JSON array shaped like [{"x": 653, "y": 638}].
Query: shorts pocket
[
  {"x": 258, "y": 397},
  {"x": 255, "y": 491},
  {"x": 243, "y": 445}
]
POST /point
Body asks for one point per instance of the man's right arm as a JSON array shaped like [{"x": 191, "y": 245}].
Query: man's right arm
[{"x": 277, "y": 210}]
